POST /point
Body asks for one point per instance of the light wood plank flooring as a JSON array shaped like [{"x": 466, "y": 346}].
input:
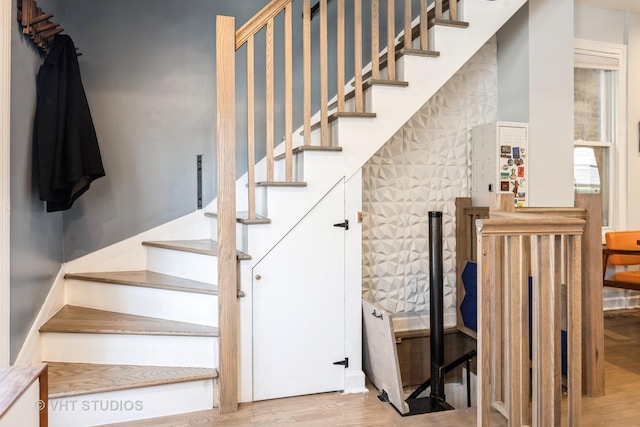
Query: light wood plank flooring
[
  {"x": 321, "y": 410},
  {"x": 619, "y": 408}
]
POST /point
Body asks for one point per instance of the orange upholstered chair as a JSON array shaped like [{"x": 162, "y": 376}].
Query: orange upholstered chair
[{"x": 623, "y": 249}]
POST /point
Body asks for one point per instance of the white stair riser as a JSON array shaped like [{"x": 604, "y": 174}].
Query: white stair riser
[
  {"x": 240, "y": 234},
  {"x": 160, "y": 303},
  {"x": 203, "y": 268},
  {"x": 118, "y": 349},
  {"x": 131, "y": 404}
]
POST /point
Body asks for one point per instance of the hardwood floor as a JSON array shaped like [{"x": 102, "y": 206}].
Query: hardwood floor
[{"x": 620, "y": 406}]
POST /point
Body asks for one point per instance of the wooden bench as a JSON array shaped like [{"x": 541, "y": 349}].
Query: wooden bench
[{"x": 622, "y": 250}]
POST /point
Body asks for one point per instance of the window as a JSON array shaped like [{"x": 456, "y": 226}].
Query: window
[{"x": 599, "y": 144}]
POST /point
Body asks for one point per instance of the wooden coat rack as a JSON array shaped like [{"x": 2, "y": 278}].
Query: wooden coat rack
[{"x": 38, "y": 25}]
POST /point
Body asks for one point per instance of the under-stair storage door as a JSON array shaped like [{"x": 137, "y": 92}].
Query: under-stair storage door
[{"x": 298, "y": 303}]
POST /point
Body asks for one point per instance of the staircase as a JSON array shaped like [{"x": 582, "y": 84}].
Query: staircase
[{"x": 154, "y": 336}]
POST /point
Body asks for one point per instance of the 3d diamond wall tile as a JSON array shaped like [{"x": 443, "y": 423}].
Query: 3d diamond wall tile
[{"x": 423, "y": 168}]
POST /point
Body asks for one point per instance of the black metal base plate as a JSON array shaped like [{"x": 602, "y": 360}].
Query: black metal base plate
[{"x": 426, "y": 405}]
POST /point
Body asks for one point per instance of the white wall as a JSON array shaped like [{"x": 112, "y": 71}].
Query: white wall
[
  {"x": 551, "y": 102},
  {"x": 633, "y": 117}
]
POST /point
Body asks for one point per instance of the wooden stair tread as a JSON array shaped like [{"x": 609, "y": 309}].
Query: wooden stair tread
[
  {"x": 450, "y": 23},
  {"x": 15, "y": 381},
  {"x": 303, "y": 148},
  {"x": 146, "y": 279},
  {"x": 73, "y": 319},
  {"x": 280, "y": 184},
  {"x": 73, "y": 379},
  {"x": 242, "y": 217},
  {"x": 201, "y": 246}
]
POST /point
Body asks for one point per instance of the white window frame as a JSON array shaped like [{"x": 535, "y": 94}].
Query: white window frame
[
  {"x": 609, "y": 56},
  {"x": 5, "y": 163}
]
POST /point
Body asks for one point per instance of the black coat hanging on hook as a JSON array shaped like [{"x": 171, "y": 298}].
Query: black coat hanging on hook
[{"x": 65, "y": 146}]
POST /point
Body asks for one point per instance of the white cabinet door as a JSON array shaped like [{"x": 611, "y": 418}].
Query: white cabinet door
[{"x": 298, "y": 318}]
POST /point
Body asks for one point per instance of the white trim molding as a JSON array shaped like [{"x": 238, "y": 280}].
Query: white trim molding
[
  {"x": 5, "y": 121},
  {"x": 610, "y": 56}
]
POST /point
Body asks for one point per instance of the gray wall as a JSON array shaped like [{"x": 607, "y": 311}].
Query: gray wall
[
  {"x": 149, "y": 72},
  {"x": 36, "y": 236},
  {"x": 513, "y": 68}
]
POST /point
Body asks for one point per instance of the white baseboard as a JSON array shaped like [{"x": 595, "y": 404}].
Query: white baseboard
[
  {"x": 31, "y": 351},
  {"x": 354, "y": 382}
]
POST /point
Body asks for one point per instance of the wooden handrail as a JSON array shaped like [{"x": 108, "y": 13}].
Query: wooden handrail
[{"x": 259, "y": 20}]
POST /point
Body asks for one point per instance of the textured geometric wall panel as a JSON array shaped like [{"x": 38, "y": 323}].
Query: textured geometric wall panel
[{"x": 423, "y": 168}]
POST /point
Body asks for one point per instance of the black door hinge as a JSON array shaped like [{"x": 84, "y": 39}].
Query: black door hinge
[
  {"x": 344, "y": 224},
  {"x": 344, "y": 362}
]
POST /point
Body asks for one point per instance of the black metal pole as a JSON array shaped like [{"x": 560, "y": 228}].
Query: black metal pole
[{"x": 436, "y": 309}]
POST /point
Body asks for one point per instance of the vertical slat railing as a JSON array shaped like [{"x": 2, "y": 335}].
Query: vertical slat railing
[
  {"x": 375, "y": 39},
  {"x": 306, "y": 79},
  {"x": 544, "y": 328},
  {"x": 357, "y": 51},
  {"x": 288, "y": 88},
  {"x": 532, "y": 248},
  {"x": 391, "y": 40},
  {"x": 407, "y": 24},
  {"x": 340, "y": 55},
  {"x": 228, "y": 310},
  {"x": 485, "y": 279},
  {"x": 424, "y": 26},
  {"x": 515, "y": 288},
  {"x": 251, "y": 129},
  {"x": 439, "y": 9},
  {"x": 324, "y": 76},
  {"x": 270, "y": 107},
  {"x": 574, "y": 330},
  {"x": 453, "y": 10}
]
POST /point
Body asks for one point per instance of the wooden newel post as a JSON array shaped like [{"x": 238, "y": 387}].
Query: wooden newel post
[{"x": 227, "y": 270}]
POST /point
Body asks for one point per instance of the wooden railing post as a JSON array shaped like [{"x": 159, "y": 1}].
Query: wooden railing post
[
  {"x": 227, "y": 269},
  {"x": 593, "y": 322}
]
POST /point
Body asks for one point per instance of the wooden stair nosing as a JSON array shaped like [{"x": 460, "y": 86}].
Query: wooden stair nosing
[
  {"x": 280, "y": 184},
  {"x": 82, "y": 320},
  {"x": 243, "y": 218},
  {"x": 450, "y": 23},
  {"x": 302, "y": 148},
  {"x": 146, "y": 279},
  {"x": 200, "y": 246},
  {"x": 75, "y": 379}
]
